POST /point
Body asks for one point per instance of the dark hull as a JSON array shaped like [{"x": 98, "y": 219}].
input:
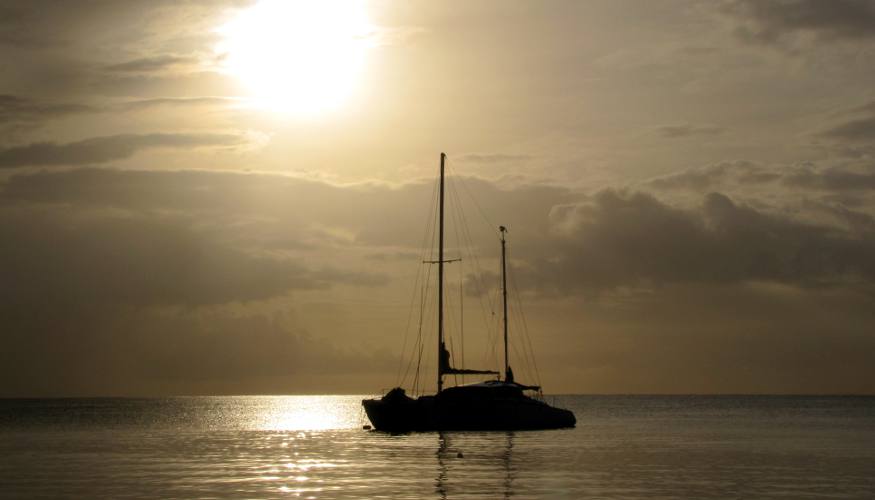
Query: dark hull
[{"x": 465, "y": 410}]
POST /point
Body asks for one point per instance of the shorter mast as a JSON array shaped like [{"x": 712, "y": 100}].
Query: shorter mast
[
  {"x": 440, "y": 375},
  {"x": 502, "y": 229}
]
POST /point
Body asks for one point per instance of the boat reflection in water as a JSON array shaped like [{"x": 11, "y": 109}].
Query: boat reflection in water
[
  {"x": 499, "y": 404},
  {"x": 492, "y": 467}
]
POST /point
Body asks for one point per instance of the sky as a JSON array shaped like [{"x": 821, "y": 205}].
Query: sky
[{"x": 233, "y": 197}]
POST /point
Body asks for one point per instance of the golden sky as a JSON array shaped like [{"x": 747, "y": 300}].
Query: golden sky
[{"x": 228, "y": 197}]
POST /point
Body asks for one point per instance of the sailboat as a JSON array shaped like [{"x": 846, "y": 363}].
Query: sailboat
[{"x": 498, "y": 404}]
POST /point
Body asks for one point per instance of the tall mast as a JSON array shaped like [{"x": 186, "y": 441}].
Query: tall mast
[
  {"x": 440, "y": 378},
  {"x": 504, "y": 296}
]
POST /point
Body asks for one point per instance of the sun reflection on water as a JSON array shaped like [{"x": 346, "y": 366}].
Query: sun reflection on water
[
  {"x": 291, "y": 426},
  {"x": 305, "y": 414}
]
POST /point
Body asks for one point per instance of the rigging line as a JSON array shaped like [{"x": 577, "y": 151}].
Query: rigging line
[
  {"x": 456, "y": 215},
  {"x": 523, "y": 352},
  {"x": 479, "y": 208},
  {"x": 466, "y": 228},
  {"x": 523, "y": 355},
  {"x": 422, "y": 307},
  {"x": 497, "y": 322},
  {"x": 413, "y": 295},
  {"x": 467, "y": 246},
  {"x": 416, "y": 373},
  {"x": 462, "y": 322},
  {"x": 429, "y": 334},
  {"x": 477, "y": 274},
  {"x": 531, "y": 350},
  {"x": 426, "y": 307},
  {"x": 449, "y": 326},
  {"x": 417, "y": 345},
  {"x": 492, "y": 328},
  {"x": 420, "y": 360},
  {"x": 416, "y": 377},
  {"x": 487, "y": 310},
  {"x": 428, "y": 330},
  {"x": 453, "y": 355},
  {"x": 520, "y": 333},
  {"x": 419, "y": 273},
  {"x": 525, "y": 324},
  {"x": 493, "y": 228},
  {"x": 428, "y": 251},
  {"x": 525, "y": 369},
  {"x": 419, "y": 349}
]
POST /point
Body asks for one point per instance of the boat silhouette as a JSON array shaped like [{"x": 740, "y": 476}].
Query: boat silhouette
[{"x": 500, "y": 404}]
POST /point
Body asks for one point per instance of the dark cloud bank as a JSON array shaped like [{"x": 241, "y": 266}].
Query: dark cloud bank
[
  {"x": 18, "y": 109},
  {"x": 633, "y": 239},
  {"x": 104, "y": 149},
  {"x": 150, "y": 282},
  {"x": 769, "y": 21}
]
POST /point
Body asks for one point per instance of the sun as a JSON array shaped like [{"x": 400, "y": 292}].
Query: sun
[{"x": 297, "y": 56}]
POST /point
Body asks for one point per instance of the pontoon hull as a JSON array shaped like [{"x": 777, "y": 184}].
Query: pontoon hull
[{"x": 472, "y": 409}]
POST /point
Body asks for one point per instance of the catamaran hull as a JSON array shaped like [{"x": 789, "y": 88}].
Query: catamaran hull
[{"x": 439, "y": 413}]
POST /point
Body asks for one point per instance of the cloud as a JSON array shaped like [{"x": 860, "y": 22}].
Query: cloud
[
  {"x": 19, "y": 115},
  {"x": 493, "y": 158},
  {"x": 706, "y": 177},
  {"x": 744, "y": 176},
  {"x": 620, "y": 239},
  {"x": 179, "y": 102},
  {"x": 17, "y": 27},
  {"x": 857, "y": 130},
  {"x": 856, "y": 222},
  {"x": 109, "y": 148},
  {"x": 852, "y": 135},
  {"x": 771, "y": 20},
  {"x": 687, "y": 130},
  {"x": 865, "y": 108},
  {"x": 40, "y": 24},
  {"x": 141, "y": 260},
  {"x": 151, "y": 64},
  {"x": 199, "y": 237},
  {"x": 17, "y": 109},
  {"x": 831, "y": 180},
  {"x": 20, "y": 110}
]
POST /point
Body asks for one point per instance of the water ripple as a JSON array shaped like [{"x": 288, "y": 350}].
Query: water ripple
[{"x": 314, "y": 447}]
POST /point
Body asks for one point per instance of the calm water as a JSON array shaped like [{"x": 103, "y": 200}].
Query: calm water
[{"x": 314, "y": 447}]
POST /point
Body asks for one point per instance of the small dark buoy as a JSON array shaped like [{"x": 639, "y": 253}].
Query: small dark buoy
[
  {"x": 366, "y": 427},
  {"x": 459, "y": 455}
]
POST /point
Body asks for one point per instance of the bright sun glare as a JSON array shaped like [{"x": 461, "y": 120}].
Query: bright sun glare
[{"x": 297, "y": 56}]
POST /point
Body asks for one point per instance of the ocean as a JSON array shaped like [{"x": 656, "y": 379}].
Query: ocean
[{"x": 624, "y": 447}]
